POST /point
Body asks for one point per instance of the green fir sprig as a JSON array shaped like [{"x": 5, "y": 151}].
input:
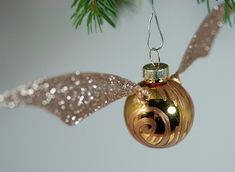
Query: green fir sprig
[{"x": 95, "y": 12}]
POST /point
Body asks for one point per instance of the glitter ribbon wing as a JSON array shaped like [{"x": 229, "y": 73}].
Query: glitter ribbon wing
[
  {"x": 202, "y": 40},
  {"x": 71, "y": 97}
]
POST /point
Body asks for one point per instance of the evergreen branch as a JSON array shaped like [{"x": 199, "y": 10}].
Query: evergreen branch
[{"x": 98, "y": 11}]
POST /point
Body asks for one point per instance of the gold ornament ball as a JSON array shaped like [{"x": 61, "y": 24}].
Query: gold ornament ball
[{"x": 161, "y": 114}]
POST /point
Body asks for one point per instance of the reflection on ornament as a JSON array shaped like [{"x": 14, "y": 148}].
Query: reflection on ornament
[
  {"x": 171, "y": 110},
  {"x": 158, "y": 111}
]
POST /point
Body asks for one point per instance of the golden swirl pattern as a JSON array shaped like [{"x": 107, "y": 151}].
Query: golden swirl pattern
[{"x": 161, "y": 120}]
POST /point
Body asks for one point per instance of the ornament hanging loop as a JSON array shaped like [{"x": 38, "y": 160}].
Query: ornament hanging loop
[
  {"x": 151, "y": 58},
  {"x": 151, "y": 48}
]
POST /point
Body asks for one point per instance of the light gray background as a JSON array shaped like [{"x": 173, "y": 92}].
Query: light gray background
[{"x": 37, "y": 39}]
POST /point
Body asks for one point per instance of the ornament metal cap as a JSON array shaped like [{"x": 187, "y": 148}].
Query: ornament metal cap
[{"x": 156, "y": 72}]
